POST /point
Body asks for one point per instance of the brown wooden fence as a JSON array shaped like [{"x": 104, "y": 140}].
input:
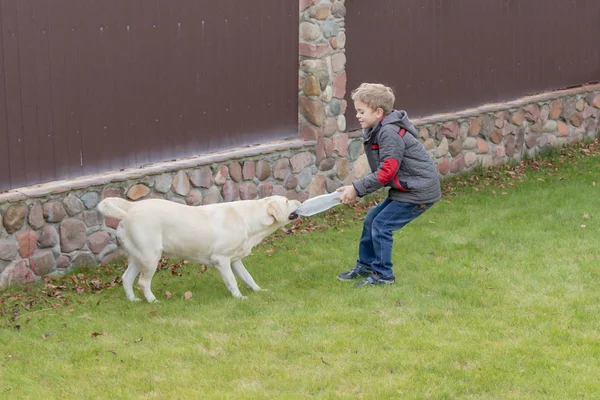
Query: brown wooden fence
[
  {"x": 88, "y": 86},
  {"x": 445, "y": 55}
]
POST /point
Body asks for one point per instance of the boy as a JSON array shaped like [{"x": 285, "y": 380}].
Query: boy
[{"x": 397, "y": 160}]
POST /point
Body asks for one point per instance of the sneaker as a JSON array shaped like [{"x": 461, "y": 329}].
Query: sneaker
[
  {"x": 354, "y": 273},
  {"x": 374, "y": 281}
]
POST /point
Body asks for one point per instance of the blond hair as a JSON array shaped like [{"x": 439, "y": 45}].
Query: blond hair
[{"x": 375, "y": 95}]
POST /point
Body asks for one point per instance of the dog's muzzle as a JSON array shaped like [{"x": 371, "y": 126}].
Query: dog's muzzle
[{"x": 293, "y": 216}]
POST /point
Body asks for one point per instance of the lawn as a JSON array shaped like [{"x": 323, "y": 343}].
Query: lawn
[{"x": 497, "y": 297}]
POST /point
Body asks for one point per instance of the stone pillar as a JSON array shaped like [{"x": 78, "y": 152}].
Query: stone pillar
[{"x": 321, "y": 89}]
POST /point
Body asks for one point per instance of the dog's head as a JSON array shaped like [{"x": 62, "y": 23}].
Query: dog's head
[{"x": 282, "y": 209}]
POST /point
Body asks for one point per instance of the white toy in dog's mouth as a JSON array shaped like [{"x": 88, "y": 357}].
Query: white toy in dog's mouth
[{"x": 319, "y": 204}]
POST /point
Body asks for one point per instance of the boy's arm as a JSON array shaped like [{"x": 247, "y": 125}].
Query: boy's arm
[{"x": 391, "y": 151}]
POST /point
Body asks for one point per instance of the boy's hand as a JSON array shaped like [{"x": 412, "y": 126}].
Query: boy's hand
[{"x": 349, "y": 194}]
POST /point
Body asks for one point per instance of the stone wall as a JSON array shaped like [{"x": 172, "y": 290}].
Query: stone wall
[
  {"x": 51, "y": 228},
  {"x": 322, "y": 88},
  {"x": 504, "y": 132}
]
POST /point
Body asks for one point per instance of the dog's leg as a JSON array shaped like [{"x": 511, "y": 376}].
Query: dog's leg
[
  {"x": 149, "y": 265},
  {"x": 129, "y": 276},
  {"x": 223, "y": 265},
  {"x": 244, "y": 275}
]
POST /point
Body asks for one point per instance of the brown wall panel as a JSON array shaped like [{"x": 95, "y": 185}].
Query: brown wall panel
[
  {"x": 442, "y": 55},
  {"x": 93, "y": 85}
]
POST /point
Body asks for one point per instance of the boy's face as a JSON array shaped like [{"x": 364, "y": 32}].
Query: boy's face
[{"x": 367, "y": 117}]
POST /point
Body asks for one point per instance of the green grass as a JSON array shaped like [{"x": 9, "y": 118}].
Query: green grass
[{"x": 497, "y": 297}]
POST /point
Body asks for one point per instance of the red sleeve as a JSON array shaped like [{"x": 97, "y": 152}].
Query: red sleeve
[{"x": 388, "y": 171}]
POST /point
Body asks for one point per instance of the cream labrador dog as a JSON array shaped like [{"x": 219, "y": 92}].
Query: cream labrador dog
[{"x": 219, "y": 235}]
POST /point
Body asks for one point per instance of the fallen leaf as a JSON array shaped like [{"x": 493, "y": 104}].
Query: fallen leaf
[
  {"x": 47, "y": 334},
  {"x": 96, "y": 283},
  {"x": 153, "y": 312},
  {"x": 187, "y": 295},
  {"x": 96, "y": 334},
  {"x": 168, "y": 294},
  {"x": 138, "y": 340}
]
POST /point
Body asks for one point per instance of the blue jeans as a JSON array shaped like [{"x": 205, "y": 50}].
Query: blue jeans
[{"x": 375, "y": 247}]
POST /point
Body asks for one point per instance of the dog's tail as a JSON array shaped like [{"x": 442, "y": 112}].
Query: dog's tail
[{"x": 114, "y": 207}]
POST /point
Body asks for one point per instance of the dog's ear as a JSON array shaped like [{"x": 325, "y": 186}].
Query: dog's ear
[{"x": 274, "y": 209}]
